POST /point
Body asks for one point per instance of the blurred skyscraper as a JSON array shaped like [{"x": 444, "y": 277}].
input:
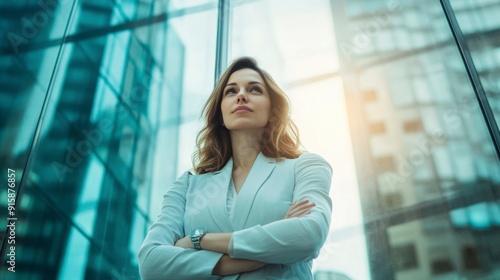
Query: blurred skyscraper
[
  {"x": 428, "y": 171},
  {"x": 86, "y": 90}
]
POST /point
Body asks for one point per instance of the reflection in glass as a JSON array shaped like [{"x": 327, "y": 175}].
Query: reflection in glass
[
  {"x": 477, "y": 21},
  {"x": 428, "y": 186}
]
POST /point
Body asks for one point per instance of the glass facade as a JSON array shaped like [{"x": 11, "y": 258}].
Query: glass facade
[
  {"x": 100, "y": 104},
  {"x": 427, "y": 168}
]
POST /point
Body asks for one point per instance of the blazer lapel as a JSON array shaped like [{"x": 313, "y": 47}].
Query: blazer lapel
[
  {"x": 261, "y": 169},
  {"x": 218, "y": 185}
]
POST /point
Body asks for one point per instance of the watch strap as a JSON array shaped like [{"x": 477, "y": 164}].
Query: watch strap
[{"x": 196, "y": 237}]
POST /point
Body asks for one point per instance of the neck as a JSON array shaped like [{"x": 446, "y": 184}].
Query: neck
[{"x": 246, "y": 146}]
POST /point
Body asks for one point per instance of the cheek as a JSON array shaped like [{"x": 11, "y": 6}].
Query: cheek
[
  {"x": 268, "y": 108},
  {"x": 223, "y": 107}
]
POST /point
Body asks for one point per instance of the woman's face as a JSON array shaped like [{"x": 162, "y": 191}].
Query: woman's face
[{"x": 245, "y": 101}]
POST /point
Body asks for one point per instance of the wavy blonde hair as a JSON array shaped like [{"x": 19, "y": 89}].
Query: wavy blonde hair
[{"x": 280, "y": 138}]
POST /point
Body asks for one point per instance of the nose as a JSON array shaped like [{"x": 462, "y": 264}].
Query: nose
[{"x": 242, "y": 96}]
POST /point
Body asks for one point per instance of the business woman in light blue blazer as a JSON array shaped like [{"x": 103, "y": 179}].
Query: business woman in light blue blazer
[{"x": 255, "y": 206}]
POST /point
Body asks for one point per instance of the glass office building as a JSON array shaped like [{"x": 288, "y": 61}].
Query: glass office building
[
  {"x": 428, "y": 170},
  {"x": 100, "y": 104}
]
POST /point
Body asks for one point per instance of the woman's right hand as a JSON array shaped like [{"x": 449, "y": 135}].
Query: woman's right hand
[{"x": 299, "y": 209}]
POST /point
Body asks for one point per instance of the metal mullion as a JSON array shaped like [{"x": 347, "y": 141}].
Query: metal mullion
[
  {"x": 222, "y": 37},
  {"x": 482, "y": 99}
]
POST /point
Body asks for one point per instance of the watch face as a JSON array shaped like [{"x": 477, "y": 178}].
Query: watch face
[{"x": 199, "y": 231}]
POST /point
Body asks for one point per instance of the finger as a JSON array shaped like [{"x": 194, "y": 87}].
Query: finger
[
  {"x": 299, "y": 214},
  {"x": 305, "y": 214},
  {"x": 306, "y": 205},
  {"x": 302, "y": 213},
  {"x": 292, "y": 208},
  {"x": 298, "y": 204},
  {"x": 302, "y": 202},
  {"x": 295, "y": 206},
  {"x": 301, "y": 208}
]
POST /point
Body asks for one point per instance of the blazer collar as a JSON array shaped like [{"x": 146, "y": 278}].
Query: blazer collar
[
  {"x": 260, "y": 171},
  {"x": 218, "y": 209}
]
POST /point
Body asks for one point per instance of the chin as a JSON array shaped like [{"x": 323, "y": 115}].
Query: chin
[{"x": 244, "y": 126}]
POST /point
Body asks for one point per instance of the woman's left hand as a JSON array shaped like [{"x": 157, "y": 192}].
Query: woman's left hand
[
  {"x": 300, "y": 209},
  {"x": 184, "y": 243}
]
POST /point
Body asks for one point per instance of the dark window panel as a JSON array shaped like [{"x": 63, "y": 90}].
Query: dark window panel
[
  {"x": 404, "y": 257},
  {"x": 442, "y": 266},
  {"x": 470, "y": 258}
]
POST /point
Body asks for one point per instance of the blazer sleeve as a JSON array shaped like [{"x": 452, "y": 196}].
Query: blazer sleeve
[
  {"x": 159, "y": 258},
  {"x": 294, "y": 239}
]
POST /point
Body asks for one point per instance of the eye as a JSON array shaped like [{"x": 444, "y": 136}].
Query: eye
[
  {"x": 230, "y": 90},
  {"x": 256, "y": 89}
]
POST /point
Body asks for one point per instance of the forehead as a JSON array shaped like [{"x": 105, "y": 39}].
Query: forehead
[{"x": 244, "y": 75}]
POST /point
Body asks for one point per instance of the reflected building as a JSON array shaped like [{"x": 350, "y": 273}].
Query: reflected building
[
  {"x": 428, "y": 171},
  {"x": 82, "y": 92}
]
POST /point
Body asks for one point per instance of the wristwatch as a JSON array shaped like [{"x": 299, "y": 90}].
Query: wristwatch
[{"x": 196, "y": 236}]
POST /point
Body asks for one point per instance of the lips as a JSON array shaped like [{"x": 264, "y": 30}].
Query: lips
[{"x": 242, "y": 108}]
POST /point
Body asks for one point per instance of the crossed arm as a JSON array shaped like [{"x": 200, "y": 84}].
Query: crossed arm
[
  {"x": 297, "y": 238},
  {"x": 219, "y": 242}
]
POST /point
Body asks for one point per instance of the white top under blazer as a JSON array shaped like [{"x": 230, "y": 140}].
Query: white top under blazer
[{"x": 259, "y": 229}]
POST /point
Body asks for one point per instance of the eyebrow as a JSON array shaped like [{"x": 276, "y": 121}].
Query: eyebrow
[{"x": 250, "y": 83}]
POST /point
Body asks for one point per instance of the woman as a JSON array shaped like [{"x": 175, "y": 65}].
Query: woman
[{"x": 257, "y": 208}]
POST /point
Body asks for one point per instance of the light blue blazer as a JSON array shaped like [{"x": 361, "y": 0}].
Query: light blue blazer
[{"x": 260, "y": 231}]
